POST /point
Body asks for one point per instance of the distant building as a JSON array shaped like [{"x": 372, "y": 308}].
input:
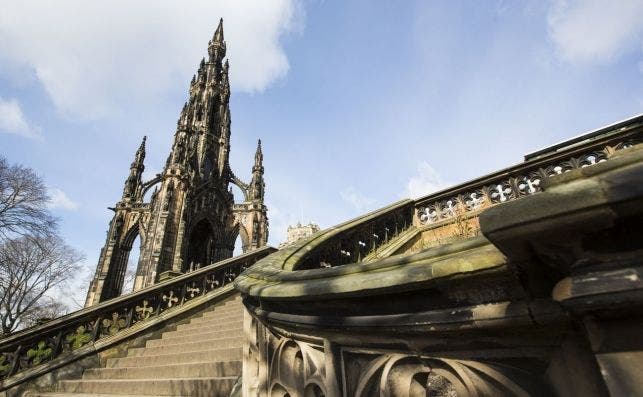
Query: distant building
[{"x": 298, "y": 232}]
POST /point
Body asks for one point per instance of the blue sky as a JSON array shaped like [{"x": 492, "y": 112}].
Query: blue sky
[{"x": 357, "y": 103}]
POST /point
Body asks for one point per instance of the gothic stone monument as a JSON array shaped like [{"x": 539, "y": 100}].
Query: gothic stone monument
[{"x": 192, "y": 219}]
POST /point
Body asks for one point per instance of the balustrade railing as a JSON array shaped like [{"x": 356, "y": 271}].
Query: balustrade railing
[
  {"x": 526, "y": 178},
  {"x": 38, "y": 345},
  {"x": 352, "y": 241}
]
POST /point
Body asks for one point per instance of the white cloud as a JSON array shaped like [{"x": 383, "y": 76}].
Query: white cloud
[
  {"x": 595, "y": 30},
  {"x": 360, "y": 202},
  {"x": 58, "y": 199},
  {"x": 426, "y": 181},
  {"x": 12, "y": 120},
  {"x": 90, "y": 56}
]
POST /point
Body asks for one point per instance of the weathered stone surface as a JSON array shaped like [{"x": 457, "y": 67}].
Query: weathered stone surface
[
  {"x": 549, "y": 302},
  {"x": 191, "y": 220},
  {"x": 205, "y": 365}
]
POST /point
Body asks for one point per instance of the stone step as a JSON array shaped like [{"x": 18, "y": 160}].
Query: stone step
[
  {"x": 197, "y": 387},
  {"x": 203, "y": 356},
  {"x": 197, "y": 333},
  {"x": 225, "y": 305},
  {"x": 212, "y": 325},
  {"x": 236, "y": 341},
  {"x": 36, "y": 394},
  {"x": 222, "y": 310},
  {"x": 194, "y": 370},
  {"x": 170, "y": 339},
  {"x": 226, "y": 317}
]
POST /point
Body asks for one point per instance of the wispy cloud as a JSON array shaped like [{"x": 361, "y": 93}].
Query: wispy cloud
[
  {"x": 427, "y": 180},
  {"x": 96, "y": 56},
  {"x": 595, "y": 30},
  {"x": 59, "y": 199},
  {"x": 356, "y": 199},
  {"x": 13, "y": 121}
]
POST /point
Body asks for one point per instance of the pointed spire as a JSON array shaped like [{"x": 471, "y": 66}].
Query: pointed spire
[
  {"x": 140, "y": 154},
  {"x": 257, "y": 185},
  {"x": 216, "y": 47},
  {"x": 218, "y": 34},
  {"x": 133, "y": 182},
  {"x": 258, "y": 155},
  {"x": 258, "y": 167}
]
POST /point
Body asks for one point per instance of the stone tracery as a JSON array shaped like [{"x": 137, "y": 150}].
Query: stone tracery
[{"x": 193, "y": 187}]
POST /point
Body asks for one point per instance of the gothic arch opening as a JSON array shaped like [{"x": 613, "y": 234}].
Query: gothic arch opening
[
  {"x": 238, "y": 246},
  {"x": 200, "y": 250},
  {"x": 134, "y": 255},
  {"x": 242, "y": 240},
  {"x": 238, "y": 193},
  {"x": 116, "y": 276}
]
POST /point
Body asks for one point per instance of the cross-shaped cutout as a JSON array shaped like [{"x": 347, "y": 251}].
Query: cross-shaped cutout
[
  {"x": 170, "y": 299},
  {"x": 144, "y": 311},
  {"x": 193, "y": 290}
]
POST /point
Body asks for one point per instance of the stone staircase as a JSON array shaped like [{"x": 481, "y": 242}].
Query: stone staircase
[{"x": 200, "y": 358}]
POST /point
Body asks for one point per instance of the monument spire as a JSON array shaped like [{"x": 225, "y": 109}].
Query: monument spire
[
  {"x": 191, "y": 217},
  {"x": 216, "y": 46},
  {"x": 258, "y": 167},
  {"x": 218, "y": 34},
  {"x": 133, "y": 182},
  {"x": 257, "y": 184},
  {"x": 140, "y": 154}
]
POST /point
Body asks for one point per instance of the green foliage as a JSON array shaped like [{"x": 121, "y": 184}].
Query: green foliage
[
  {"x": 80, "y": 338},
  {"x": 114, "y": 325},
  {"x": 42, "y": 353},
  {"x": 5, "y": 366}
]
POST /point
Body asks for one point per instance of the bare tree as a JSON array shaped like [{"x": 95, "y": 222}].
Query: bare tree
[
  {"x": 44, "y": 310},
  {"x": 23, "y": 203},
  {"x": 29, "y": 268}
]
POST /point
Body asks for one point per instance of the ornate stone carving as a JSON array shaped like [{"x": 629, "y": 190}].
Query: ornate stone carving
[{"x": 193, "y": 185}]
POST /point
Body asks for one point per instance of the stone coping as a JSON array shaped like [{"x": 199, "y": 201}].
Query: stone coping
[
  {"x": 616, "y": 133},
  {"x": 120, "y": 337},
  {"x": 118, "y": 302},
  {"x": 266, "y": 280},
  {"x": 572, "y": 207}
]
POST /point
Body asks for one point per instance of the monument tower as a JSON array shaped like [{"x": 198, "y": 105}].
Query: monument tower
[{"x": 191, "y": 219}]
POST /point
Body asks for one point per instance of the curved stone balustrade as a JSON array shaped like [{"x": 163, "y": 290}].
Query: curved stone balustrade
[
  {"x": 526, "y": 178},
  {"x": 36, "y": 350},
  {"x": 268, "y": 281},
  {"x": 349, "y": 242},
  {"x": 548, "y": 302}
]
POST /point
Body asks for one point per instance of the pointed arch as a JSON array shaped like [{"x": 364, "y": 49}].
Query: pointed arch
[
  {"x": 115, "y": 278},
  {"x": 245, "y": 239},
  {"x": 200, "y": 244}
]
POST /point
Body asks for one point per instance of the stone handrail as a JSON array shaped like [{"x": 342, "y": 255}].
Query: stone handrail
[
  {"x": 525, "y": 179},
  {"x": 37, "y": 346},
  {"x": 309, "y": 260}
]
